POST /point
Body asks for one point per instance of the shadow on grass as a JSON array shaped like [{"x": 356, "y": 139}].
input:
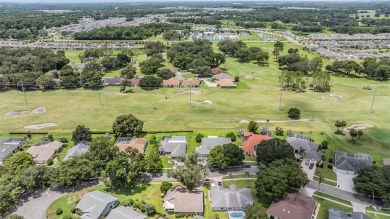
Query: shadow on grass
[{"x": 128, "y": 191}]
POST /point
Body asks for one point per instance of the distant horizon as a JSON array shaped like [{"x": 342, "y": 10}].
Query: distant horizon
[{"x": 169, "y": 1}]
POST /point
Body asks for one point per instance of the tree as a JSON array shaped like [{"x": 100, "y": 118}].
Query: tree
[
  {"x": 154, "y": 48},
  {"x": 253, "y": 126},
  {"x": 150, "y": 210},
  {"x": 165, "y": 74},
  {"x": 151, "y": 65},
  {"x": 153, "y": 163},
  {"x": 278, "y": 178},
  {"x": 101, "y": 151},
  {"x": 123, "y": 59},
  {"x": 274, "y": 149},
  {"x": 165, "y": 186},
  {"x": 36, "y": 177},
  {"x": 190, "y": 174},
  {"x": 46, "y": 82},
  {"x": 294, "y": 113},
  {"x": 359, "y": 134},
  {"x": 279, "y": 131},
  {"x": 232, "y": 136},
  {"x": 353, "y": 134},
  {"x": 124, "y": 169},
  {"x": 150, "y": 83},
  {"x": 127, "y": 125},
  {"x": 255, "y": 212},
  {"x": 6, "y": 201},
  {"x": 198, "y": 137},
  {"x": 81, "y": 133},
  {"x": 225, "y": 155},
  {"x": 14, "y": 216},
  {"x": 75, "y": 170},
  {"x": 129, "y": 72},
  {"x": 203, "y": 71},
  {"x": 19, "y": 161}
]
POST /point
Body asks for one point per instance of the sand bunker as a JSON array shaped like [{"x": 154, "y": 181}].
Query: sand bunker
[
  {"x": 358, "y": 126},
  {"x": 244, "y": 121},
  {"x": 335, "y": 96},
  {"x": 16, "y": 113},
  {"x": 203, "y": 102},
  {"x": 248, "y": 76},
  {"x": 277, "y": 121},
  {"x": 40, "y": 126},
  {"x": 197, "y": 92},
  {"x": 39, "y": 110}
]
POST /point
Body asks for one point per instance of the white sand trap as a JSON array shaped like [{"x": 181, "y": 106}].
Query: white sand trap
[
  {"x": 197, "y": 92},
  {"x": 16, "y": 113},
  {"x": 278, "y": 121},
  {"x": 40, "y": 126},
  {"x": 335, "y": 96},
  {"x": 39, "y": 110},
  {"x": 244, "y": 121},
  {"x": 122, "y": 94},
  {"x": 207, "y": 102},
  {"x": 358, "y": 126}
]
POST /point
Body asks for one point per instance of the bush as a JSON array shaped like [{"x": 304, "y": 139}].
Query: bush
[
  {"x": 59, "y": 211},
  {"x": 73, "y": 210},
  {"x": 207, "y": 185},
  {"x": 67, "y": 217},
  {"x": 330, "y": 159},
  {"x": 323, "y": 158},
  {"x": 50, "y": 162},
  {"x": 294, "y": 113},
  {"x": 374, "y": 161},
  {"x": 127, "y": 202},
  {"x": 321, "y": 165},
  {"x": 199, "y": 137},
  {"x": 231, "y": 135},
  {"x": 330, "y": 166},
  {"x": 165, "y": 186},
  {"x": 150, "y": 209},
  {"x": 324, "y": 144},
  {"x": 63, "y": 140}
]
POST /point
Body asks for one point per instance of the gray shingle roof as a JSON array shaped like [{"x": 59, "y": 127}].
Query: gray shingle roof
[
  {"x": 124, "y": 213},
  {"x": 209, "y": 143},
  {"x": 175, "y": 145},
  {"x": 231, "y": 197},
  {"x": 93, "y": 204},
  {"x": 336, "y": 214},
  {"x": 351, "y": 162},
  {"x": 79, "y": 149},
  {"x": 8, "y": 146},
  {"x": 298, "y": 143}
]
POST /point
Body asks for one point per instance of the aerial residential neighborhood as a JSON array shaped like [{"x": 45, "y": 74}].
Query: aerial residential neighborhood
[{"x": 243, "y": 109}]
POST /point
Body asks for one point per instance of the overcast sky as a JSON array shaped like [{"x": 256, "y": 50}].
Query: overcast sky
[{"x": 124, "y": 1}]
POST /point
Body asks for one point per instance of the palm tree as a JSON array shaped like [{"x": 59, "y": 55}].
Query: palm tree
[
  {"x": 359, "y": 134},
  {"x": 353, "y": 134},
  {"x": 302, "y": 152}
]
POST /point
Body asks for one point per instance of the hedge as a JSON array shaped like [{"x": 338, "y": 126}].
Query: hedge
[{"x": 25, "y": 133}]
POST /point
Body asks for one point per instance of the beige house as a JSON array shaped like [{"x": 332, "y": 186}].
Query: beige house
[
  {"x": 181, "y": 200},
  {"x": 43, "y": 151}
]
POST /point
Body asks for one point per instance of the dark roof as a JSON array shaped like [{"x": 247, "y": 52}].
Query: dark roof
[
  {"x": 123, "y": 140},
  {"x": 336, "y": 214},
  {"x": 9, "y": 145},
  {"x": 351, "y": 162},
  {"x": 293, "y": 206}
]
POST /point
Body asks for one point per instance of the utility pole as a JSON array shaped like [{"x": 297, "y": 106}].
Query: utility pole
[
  {"x": 24, "y": 93},
  {"x": 190, "y": 93},
  {"x": 100, "y": 99},
  {"x": 280, "y": 99},
  {"x": 373, "y": 99},
  {"x": 105, "y": 93}
]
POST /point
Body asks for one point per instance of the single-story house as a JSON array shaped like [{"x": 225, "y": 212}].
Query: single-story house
[
  {"x": 172, "y": 82},
  {"x": 43, "y": 151},
  {"x": 336, "y": 214},
  {"x": 135, "y": 81},
  {"x": 350, "y": 163},
  {"x": 251, "y": 140},
  {"x": 223, "y": 76},
  {"x": 79, "y": 67},
  {"x": 80, "y": 148},
  {"x": 191, "y": 82},
  {"x": 112, "y": 81},
  {"x": 226, "y": 83},
  {"x": 9, "y": 146},
  {"x": 176, "y": 146},
  {"x": 386, "y": 161},
  {"x": 123, "y": 212},
  {"x": 178, "y": 198},
  {"x": 232, "y": 198},
  {"x": 310, "y": 147},
  {"x": 209, "y": 143},
  {"x": 215, "y": 71},
  {"x": 137, "y": 143},
  {"x": 172, "y": 69},
  {"x": 96, "y": 204},
  {"x": 293, "y": 206}
]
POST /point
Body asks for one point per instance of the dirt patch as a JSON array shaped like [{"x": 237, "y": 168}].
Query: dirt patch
[
  {"x": 358, "y": 126},
  {"x": 207, "y": 102},
  {"x": 244, "y": 121},
  {"x": 335, "y": 96},
  {"x": 39, "y": 110},
  {"x": 40, "y": 126},
  {"x": 321, "y": 98},
  {"x": 16, "y": 113},
  {"x": 197, "y": 92}
]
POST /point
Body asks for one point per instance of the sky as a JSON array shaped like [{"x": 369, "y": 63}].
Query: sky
[{"x": 124, "y": 1}]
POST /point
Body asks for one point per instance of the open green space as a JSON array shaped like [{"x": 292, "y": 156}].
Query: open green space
[{"x": 325, "y": 205}]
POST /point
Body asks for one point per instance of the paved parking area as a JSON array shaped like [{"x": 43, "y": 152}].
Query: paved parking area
[
  {"x": 309, "y": 172},
  {"x": 345, "y": 182}
]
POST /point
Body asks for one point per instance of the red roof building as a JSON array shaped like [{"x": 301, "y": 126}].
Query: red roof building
[
  {"x": 293, "y": 206},
  {"x": 251, "y": 140},
  {"x": 215, "y": 71}
]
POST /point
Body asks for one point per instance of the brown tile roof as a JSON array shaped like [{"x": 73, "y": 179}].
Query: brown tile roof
[
  {"x": 185, "y": 201},
  {"x": 226, "y": 83},
  {"x": 172, "y": 69},
  {"x": 171, "y": 82},
  {"x": 293, "y": 206},
  {"x": 135, "y": 81},
  {"x": 215, "y": 71},
  {"x": 252, "y": 141},
  {"x": 191, "y": 82},
  {"x": 137, "y": 143}
]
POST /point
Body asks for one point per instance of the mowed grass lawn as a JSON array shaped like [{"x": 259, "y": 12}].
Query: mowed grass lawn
[{"x": 167, "y": 109}]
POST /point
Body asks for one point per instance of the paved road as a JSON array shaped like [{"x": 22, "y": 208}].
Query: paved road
[
  {"x": 354, "y": 197},
  {"x": 35, "y": 205}
]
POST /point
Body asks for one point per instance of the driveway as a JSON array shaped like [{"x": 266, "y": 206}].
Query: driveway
[
  {"x": 309, "y": 172},
  {"x": 35, "y": 205},
  {"x": 345, "y": 182},
  {"x": 209, "y": 83}
]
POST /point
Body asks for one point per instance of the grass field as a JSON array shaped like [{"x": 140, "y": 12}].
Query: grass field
[{"x": 256, "y": 99}]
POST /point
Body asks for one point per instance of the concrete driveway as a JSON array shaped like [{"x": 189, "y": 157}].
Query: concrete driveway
[
  {"x": 309, "y": 172},
  {"x": 345, "y": 182},
  {"x": 209, "y": 83}
]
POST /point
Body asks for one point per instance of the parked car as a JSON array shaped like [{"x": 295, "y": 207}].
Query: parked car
[
  {"x": 246, "y": 166},
  {"x": 307, "y": 162},
  {"x": 219, "y": 183},
  {"x": 311, "y": 166}
]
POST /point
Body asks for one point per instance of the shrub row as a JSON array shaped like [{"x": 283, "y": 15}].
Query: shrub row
[{"x": 25, "y": 133}]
